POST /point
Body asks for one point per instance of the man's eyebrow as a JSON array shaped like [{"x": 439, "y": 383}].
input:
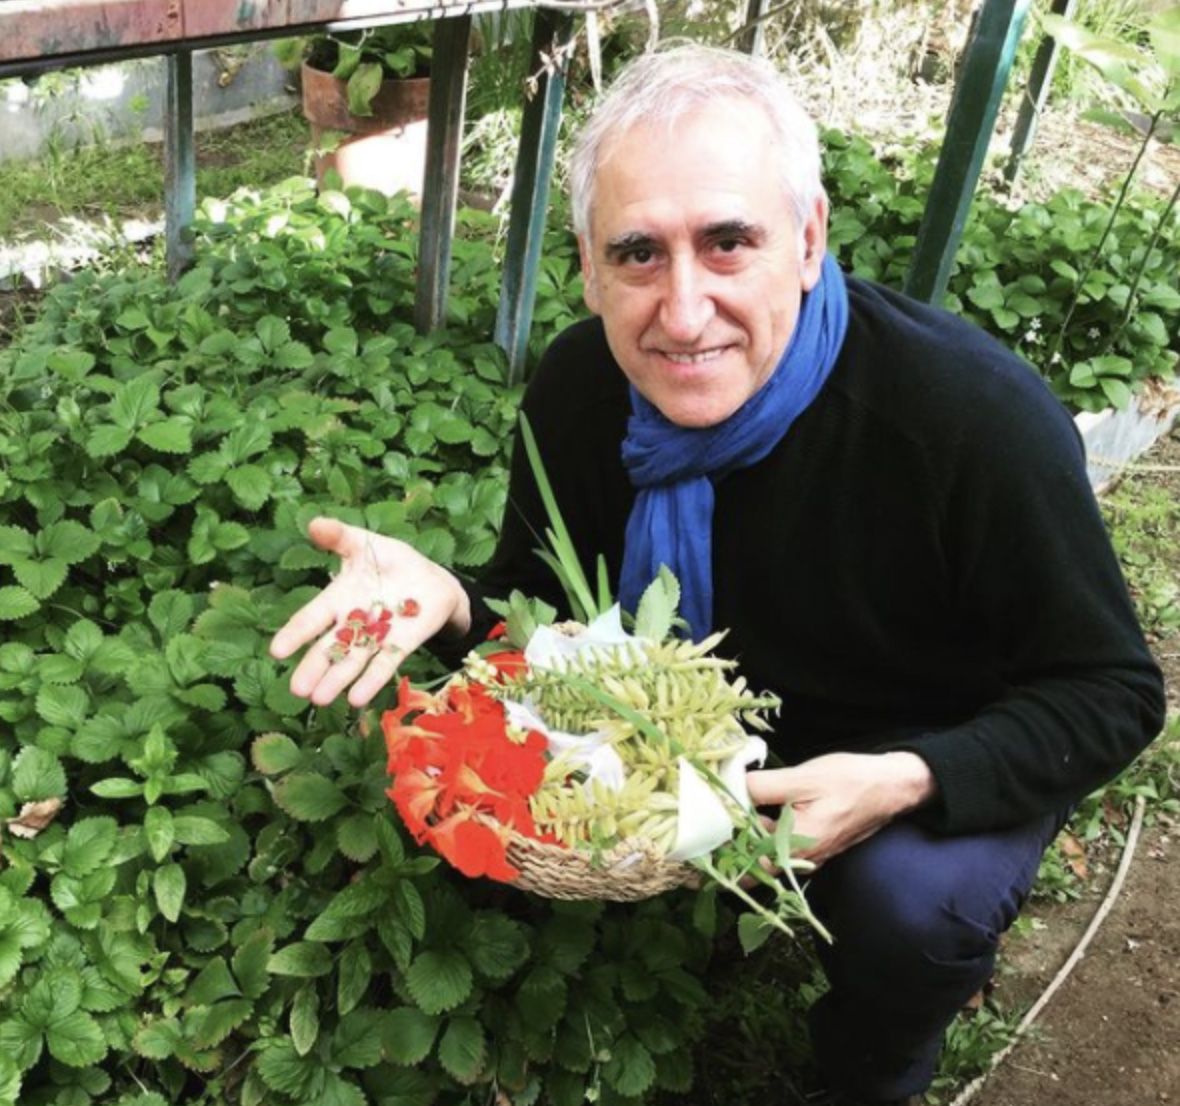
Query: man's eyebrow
[
  {"x": 733, "y": 228},
  {"x": 624, "y": 243}
]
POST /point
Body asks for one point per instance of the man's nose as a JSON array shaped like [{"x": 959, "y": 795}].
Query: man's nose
[{"x": 686, "y": 306}]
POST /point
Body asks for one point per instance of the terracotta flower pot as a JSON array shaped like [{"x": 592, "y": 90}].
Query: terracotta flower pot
[{"x": 386, "y": 150}]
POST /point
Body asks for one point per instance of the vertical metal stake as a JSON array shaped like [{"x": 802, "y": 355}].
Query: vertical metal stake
[
  {"x": 1037, "y": 95},
  {"x": 753, "y": 38},
  {"x": 180, "y": 163},
  {"x": 440, "y": 186},
  {"x": 969, "y": 128},
  {"x": 530, "y": 189}
]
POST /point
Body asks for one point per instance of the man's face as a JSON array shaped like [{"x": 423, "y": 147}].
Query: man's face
[{"x": 695, "y": 261}]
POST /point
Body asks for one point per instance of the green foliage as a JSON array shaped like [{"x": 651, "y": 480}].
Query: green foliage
[
  {"x": 1017, "y": 271},
  {"x": 224, "y": 910},
  {"x": 120, "y": 181},
  {"x": 364, "y": 59},
  {"x": 972, "y": 1039},
  {"x": 1143, "y": 518},
  {"x": 1147, "y": 77}
]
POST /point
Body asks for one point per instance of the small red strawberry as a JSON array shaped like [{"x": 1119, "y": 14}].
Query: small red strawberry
[{"x": 409, "y": 608}]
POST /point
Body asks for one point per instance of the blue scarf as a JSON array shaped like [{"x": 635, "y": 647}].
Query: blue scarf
[{"x": 674, "y": 467}]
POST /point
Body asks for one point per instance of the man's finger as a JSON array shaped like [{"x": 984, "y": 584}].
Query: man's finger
[
  {"x": 768, "y": 786},
  {"x": 382, "y": 668},
  {"x": 307, "y": 623},
  {"x": 330, "y": 535},
  {"x": 312, "y": 668},
  {"x": 339, "y": 675}
]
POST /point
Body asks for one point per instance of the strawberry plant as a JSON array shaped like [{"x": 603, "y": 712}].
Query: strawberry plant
[
  {"x": 204, "y": 897},
  {"x": 1094, "y": 331}
]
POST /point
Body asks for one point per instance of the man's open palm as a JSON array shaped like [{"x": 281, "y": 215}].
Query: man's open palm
[{"x": 374, "y": 570}]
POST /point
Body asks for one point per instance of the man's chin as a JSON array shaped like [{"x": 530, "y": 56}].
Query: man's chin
[{"x": 694, "y": 412}]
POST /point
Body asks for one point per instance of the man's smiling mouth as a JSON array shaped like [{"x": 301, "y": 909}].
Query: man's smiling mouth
[{"x": 694, "y": 358}]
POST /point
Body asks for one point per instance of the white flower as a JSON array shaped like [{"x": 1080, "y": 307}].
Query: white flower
[{"x": 1093, "y": 332}]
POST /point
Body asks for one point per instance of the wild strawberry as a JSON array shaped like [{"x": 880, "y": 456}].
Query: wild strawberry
[
  {"x": 345, "y": 635},
  {"x": 358, "y": 616},
  {"x": 409, "y": 608}
]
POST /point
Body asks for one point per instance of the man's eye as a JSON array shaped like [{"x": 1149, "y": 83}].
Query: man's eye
[
  {"x": 641, "y": 255},
  {"x": 729, "y": 245}
]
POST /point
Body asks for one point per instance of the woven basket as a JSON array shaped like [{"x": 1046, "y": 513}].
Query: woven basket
[{"x": 626, "y": 873}]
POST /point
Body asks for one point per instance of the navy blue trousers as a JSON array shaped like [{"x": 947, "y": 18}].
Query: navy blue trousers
[{"x": 916, "y": 919}]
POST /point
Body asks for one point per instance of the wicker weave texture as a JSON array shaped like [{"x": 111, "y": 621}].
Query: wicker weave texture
[{"x": 626, "y": 873}]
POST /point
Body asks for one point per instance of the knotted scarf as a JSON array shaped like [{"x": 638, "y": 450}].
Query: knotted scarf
[{"x": 674, "y": 467}]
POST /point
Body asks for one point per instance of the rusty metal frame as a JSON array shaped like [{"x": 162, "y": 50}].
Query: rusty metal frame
[{"x": 37, "y": 35}]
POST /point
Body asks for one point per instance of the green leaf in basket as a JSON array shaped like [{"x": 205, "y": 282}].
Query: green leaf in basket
[{"x": 657, "y": 606}]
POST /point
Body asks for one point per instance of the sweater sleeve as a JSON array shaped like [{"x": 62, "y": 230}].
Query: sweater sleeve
[{"x": 1038, "y": 582}]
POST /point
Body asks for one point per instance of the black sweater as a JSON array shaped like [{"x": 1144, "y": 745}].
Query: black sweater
[{"x": 919, "y": 564}]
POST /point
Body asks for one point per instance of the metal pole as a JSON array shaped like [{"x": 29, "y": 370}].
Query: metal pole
[
  {"x": 530, "y": 188},
  {"x": 753, "y": 37},
  {"x": 440, "y": 187},
  {"x": 969, "y": 128},
  {"x": 1037, "y": 95},
  {"x": 180, "y": 163}
]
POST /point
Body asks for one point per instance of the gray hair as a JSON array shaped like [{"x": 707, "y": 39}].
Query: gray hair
[{"x": 676, "y": 79}]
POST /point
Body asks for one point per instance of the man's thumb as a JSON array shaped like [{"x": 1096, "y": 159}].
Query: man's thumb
[
  {"x": 768, "y": 786},
  {"x": 330, "y": 534}
]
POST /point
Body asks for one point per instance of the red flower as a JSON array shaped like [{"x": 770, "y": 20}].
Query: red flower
[
  {"x": 456, "y": 770},
  {"x": 498, "y": 631},
  {"x": 509, "y": 663},
  {"x": 415, "y": 793},
  {"x": 473, "y": 847}
]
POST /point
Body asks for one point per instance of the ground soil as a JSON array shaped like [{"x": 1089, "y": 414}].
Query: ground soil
[{"x": 1110, "y": 1036}]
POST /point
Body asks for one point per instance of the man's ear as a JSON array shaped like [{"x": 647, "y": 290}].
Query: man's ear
[
  {"x": 589, "y": 276},
  {"x": 815, "y": 243}
]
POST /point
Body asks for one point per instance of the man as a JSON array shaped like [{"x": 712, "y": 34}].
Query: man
[{"x": 885, "y": 507}]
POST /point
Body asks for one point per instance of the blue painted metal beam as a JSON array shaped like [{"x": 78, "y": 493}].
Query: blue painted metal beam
[
  {"x": 535, "y": 156},
  {"x": 440, "y": 187},
  {"x": 969, "y": 129},
  {"x": 180, "y": 162}
]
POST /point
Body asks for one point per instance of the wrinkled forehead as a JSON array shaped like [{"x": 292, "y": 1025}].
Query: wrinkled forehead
[{"x": 718, "y": 160}]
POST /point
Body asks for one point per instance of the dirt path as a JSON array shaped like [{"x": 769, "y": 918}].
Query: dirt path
[{"x": 1111, "y": 1034}]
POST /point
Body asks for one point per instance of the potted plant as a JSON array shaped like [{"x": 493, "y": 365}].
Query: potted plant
[{"x": 365, "y": 94}]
